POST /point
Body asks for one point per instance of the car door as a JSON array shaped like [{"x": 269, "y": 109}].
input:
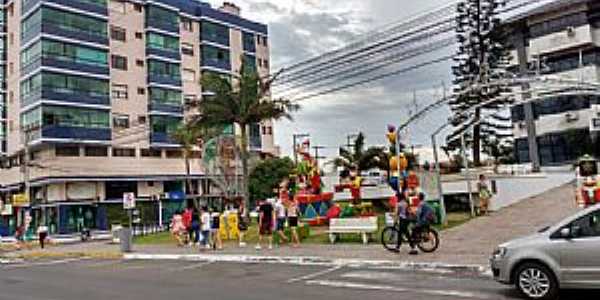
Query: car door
[{"x": 580, "y": 255}]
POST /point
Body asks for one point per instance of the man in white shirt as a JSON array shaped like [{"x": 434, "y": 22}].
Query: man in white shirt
[{"x": 281, "y": 218}]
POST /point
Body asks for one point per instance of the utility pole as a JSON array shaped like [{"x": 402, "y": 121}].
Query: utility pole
[
  {"x": 349, "y": 138},
  {"x": 467, "y": 173},
  {"x": 295, "y": 138}
]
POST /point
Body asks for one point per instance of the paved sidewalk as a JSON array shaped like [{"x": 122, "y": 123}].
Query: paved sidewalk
[{"x": 468, "y": 244}]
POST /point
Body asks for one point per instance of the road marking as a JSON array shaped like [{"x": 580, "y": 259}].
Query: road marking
[
  {"x": 315, "y": 275},
  {"x": 191, "y": 267},
  {"x": 50, "y": 263},
  {"x": 375, "y": 287}
]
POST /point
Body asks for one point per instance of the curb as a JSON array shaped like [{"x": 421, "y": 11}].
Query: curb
[{"x": 435, "y": 267}]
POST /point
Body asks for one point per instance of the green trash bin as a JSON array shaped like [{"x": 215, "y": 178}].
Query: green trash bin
[{"x": 435, "y": 205}]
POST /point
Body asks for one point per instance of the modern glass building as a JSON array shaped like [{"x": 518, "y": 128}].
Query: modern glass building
[{"x": 96, "y": 87}]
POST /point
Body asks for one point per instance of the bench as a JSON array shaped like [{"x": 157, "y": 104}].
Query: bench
[{"x": 363, "y": 226}]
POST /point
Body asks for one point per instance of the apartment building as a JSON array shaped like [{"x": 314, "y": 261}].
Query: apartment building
[
  {"x": 95, "y": 88},
  {"x": 564, "y": 37}
]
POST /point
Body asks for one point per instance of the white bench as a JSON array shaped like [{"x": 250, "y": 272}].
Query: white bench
[{"x": 363, "y": 226}]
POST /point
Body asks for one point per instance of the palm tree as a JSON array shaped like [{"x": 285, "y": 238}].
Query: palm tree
[
  {"x": 187, "y": 136},
  {"x": 243, "y": 103},
  {"x": 361, "y": 159}
]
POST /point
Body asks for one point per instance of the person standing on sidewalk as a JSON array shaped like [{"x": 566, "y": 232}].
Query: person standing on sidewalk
[
  {"x": 280, "y": 224},
  {"x": 187, "y": 222},
  {"x": 243, "y": 223},
  {"x": 195, "y": 227},
  {"x": 215, "y": 225},
  {"x": 42, "y": 232},
  {"x": 402, "y": 213},
  {"x": 292, "y": 215},
  {"x": 205, "y": 227},
  {"x": 265, "y": 223},
  {"x": 485, "y": 195}
]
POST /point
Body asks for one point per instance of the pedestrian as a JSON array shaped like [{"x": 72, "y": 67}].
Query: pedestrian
[
  {"x": 187, "y": 222},
  {"x": 403, "y": 215},
  {"x": 215, "y": 225},
  {"x": 484, "y": 195},
  {"x": 205, "y": 227},
  {"x": 280, "y": 221},
  {"x": 177, "y": 228},
  {"x": 42, "y": 234},
  {"x": 292, "y": 217},
  {"x": 195, "y": 227},
  {"x": 265, "y": 223},
  {"x": 243, "y": 223}
]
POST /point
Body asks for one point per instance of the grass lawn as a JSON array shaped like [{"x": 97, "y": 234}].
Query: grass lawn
[{"x": 318, "y": 235}]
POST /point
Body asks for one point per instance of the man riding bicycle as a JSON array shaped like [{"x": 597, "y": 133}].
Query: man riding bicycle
[{"x": 424, "y": 217}]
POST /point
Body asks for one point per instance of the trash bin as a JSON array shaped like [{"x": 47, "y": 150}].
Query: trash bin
[
  {"x": 125, "y": 239},
  {"x": 435, "y": 205}
]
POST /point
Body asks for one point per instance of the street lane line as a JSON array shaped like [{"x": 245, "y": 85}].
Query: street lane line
[
  {"x": 388, "y": 288},
  {"x": 50, "y": 263},
  {"x": 315, "y": 275}
]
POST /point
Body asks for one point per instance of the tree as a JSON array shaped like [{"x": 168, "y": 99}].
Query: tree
[
  {"x": 373, "y": 157},
  {"x": 499, "y": 151},
  {"x": 268, "y": 174},
  {"x": 187, "y": 136},
  {"x": 482, "y": 58},
  {"x": 243, "y": 102}
]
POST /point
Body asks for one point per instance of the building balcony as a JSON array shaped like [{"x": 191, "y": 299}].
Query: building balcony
[
  {"x": 162, "y": 25},
  {"x": 224, "y": 65},
  {"x": 65, "y": 95},
  {"x": 233, "y": 20},
  {"x": 175, "y": 55},
  {"x": 562, "y": 40},
  {"x": 27, "y": 5},
  {"x": 164, "y": 79},
  {"x": 85, "y": 36},
  {"x": 66, "y": 63},
  {"x": 165, "y": 108},
  {"x": 76, "y": 133},
  {"x": 83, "y": 5},
  {"x": 221, "y": 40},
  {"x": 161, "y": 138}
]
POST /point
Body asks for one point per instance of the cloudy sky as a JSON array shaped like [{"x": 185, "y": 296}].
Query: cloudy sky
[{"x": 301, "y": 29}]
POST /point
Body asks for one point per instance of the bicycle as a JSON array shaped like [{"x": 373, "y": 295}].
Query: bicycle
[{"x": 428, "y": 240}]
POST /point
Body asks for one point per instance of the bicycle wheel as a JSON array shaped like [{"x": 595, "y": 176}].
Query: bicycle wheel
[
  {"x": 389, "y": 238},
  {"x": 429, "y": 240}
]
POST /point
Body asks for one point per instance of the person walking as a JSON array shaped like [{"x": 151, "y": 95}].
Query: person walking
[
  {"x": 195, "y": 237},
  {"x": 205, "y": 227},
  {"x": 243, "y": 223},
  {"x": 265, "y": 223},
  {"x": 42, "y": 232},
  {"x": 403, "y": 215},
  {"x": 177, "y": 228},
  {"x": 485, "y": 195},
  {"x": 280, "y": 223},
  {"x": 292, "y": 218},
  {"x": 215, "y": 225},
  {"x": 187, "y": 222}
]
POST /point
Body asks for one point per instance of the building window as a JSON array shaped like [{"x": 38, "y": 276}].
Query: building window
[
  {"x": 96, "y": 151},
  {"x": 266, "y": 63},
  {"x": 123, "y": 152},
  {"x": 67, "y": 21},
  {"x": 189, "y": 100},
  {"x": 162, "y": 42},
  {"x": 120, "y": 121},
  {"x": 119, "y": 6},
  {"x": 187, "y": 24},
  {"x": 187, "y": 49},
  {"x": 67, "y": 151},
  {"x": 63, "y": 52},
  {"x": 151, "y": 153},
  {"x": 118, "y": 62},
  {"x": 119, "y": 91},
  {"x": 142, "y": 119},
  {"x": 139, "y": 35},
  {"x": 215, "y": 33},
  {"x": 141, "y": 91},
  {"x": 75, "y": 117},
  {"x": 137, "y": 7},
  {"x": 165, "y": 96},
  {"x": 248, "y": 41},
  {"x": 139, "y": 62},
  {"x": 62, "y": 84},
  {"x": 118, "y": 33},
  {"x": 164, "y": 69},
  {"x": 215, "y": 57},
  {"x": 189, "y": 75}
]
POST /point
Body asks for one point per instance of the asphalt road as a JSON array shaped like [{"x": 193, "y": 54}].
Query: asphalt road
[{"x": 148, "y": 280}]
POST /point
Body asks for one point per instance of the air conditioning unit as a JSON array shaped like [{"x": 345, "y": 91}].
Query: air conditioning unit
[
  {"x": 571, "y": 31},
  {"x": 572, "y": 116}
]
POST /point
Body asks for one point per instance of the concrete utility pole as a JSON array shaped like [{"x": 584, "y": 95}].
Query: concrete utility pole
[
  {"x": 467, "y": 174},
  {"x": 295, "y": 138}
]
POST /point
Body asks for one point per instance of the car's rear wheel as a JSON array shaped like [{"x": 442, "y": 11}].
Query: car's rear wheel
[{"x": 536, "y": 281}]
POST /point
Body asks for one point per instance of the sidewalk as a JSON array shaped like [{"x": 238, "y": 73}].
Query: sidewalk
[{"x": 467, "y": 245}]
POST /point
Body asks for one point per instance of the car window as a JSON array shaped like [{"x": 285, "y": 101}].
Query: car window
[{"x": 589, "y": 225}]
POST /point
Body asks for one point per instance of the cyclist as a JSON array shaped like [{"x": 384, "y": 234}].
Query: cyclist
[{"x": 424, "y": 217}]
